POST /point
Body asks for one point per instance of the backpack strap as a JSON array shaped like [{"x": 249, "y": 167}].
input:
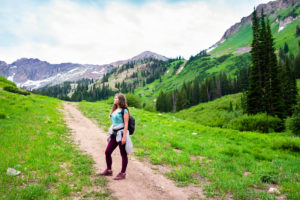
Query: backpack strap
[{"x": 122, "y": 112}]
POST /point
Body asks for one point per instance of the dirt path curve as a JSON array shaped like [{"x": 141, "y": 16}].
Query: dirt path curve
[{"x": 141, "y": 181}]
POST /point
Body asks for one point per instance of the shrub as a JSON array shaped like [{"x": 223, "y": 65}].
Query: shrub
[
  {"x": 3, "y": 116},
  {"x": 15, "y": 90},
  {"x": 133, "y": 100},
  {"x": 150, "y": 107},
  {"x": 292, "y": 144},
  {"x": 260, "y": 122},
  {"x": 268, "y": 178},
  {"x": 293, "y": 123}
]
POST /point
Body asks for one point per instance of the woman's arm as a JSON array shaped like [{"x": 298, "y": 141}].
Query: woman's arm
[{"x": 126, "y": 119}]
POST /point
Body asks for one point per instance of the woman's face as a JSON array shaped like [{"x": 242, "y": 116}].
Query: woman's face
[{"x": 116, "y": 101}]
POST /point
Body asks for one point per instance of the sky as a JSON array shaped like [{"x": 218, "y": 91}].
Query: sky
[{"x": 104, "y": 31}]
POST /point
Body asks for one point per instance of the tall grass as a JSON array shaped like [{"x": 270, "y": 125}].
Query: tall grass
[
  {"x": 225, "y": 162},
  {"x": 35, "y": 141}
]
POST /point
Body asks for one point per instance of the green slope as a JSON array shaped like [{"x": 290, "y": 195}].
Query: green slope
[
  {"x": 203, "y": 67},
  {"x": 35, "y": 141},
  {"x": 243, "y": 37},
  {"x": 223, "y": 162},
  {"x": 216, "y": 113}
]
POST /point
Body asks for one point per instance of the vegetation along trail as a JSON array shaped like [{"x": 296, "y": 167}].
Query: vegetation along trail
[{"x": 142, "y": 182}]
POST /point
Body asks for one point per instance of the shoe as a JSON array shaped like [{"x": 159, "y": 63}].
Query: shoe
[
  {"x": 107, "y": 172},
  {"x": 120, "y": 176}
]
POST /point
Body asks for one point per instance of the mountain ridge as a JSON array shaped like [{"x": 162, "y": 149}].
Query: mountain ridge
[{"x": 33, "y": 73}]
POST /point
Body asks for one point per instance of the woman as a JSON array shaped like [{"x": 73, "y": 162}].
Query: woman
[{"x": 119, "y": 136}]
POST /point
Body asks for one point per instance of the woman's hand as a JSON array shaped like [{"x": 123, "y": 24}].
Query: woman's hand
[
  {"x": 108, "y": 139},
  {"x": 123, "y": 140}
]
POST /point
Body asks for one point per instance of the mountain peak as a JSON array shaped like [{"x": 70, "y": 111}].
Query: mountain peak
[
  {"x": 148, "y": 54},
  {"x": 141, "y": 56},
  {"x": 27, "y": 61}
]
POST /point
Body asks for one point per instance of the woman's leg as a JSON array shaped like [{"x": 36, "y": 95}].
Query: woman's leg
[
  {"x": 124, "y": 157},
  {"x": 109, "y": 149}
]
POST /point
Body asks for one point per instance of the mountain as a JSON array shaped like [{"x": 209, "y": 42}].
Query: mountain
[
  {"x": 32, "y": 73},
  {"x": 142, "y": 56},
  {"x": 237, "y": 38}
]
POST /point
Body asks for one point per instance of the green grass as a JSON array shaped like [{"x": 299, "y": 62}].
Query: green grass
[
  {"x": 35, "y": 141},
  {"x": 287, "y": 35},
  {"x": 214, "y": 113},
  {"x": 214, "y": 158},
  {"x": 239, "y": 39}
]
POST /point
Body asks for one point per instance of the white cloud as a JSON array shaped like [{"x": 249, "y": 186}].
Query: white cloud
[{"x": 64, "y": 31}]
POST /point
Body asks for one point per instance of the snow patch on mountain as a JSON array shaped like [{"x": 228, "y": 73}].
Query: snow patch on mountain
[{"x": 11, "y": 78}]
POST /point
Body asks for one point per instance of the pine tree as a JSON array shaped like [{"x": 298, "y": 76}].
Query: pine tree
[
  {"x": 203, "y": 93},
  {"x": 286, "y": 48},
  {"x": 297, "y": 65},
  {"x": 195, "y": 92},
  {"x": 264, "y": 59},
  {"x": 254, "y": 93},
  {"x": 159, "y": 101},
  {"x": 275, "y": 106},
  {"x": 289, "y": 88}
]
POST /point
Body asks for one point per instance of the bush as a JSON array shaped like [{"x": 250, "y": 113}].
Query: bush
[
  {"x": 150, "y": 107},
  {"x": 3, "y": 116},
  {"x": 293, "y": 123},
  {"x": 133, "y": 100},
  {"x": 292, "y": 144},
  {"x": 260, "y": 122},
  {"x": 15, "y": 90}
]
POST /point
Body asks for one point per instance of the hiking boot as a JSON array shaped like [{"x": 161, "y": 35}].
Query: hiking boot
[
  {"x": 120, "y": 176},
  {"x": 107, "y": 172}
]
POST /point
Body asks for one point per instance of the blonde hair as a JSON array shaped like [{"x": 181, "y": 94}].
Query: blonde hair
[{"x": 122, "y": 103}]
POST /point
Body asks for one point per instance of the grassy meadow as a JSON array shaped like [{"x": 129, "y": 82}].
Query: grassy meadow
[
  {"x": 35, "y": 141},
  {"x": 216, "y": 113},
  {"x": 224, "y": 162}
]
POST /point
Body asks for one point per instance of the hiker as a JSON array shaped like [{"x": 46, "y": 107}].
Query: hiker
[{"x": 118, "y": 136}]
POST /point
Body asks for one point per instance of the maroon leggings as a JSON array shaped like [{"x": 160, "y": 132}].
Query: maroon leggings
[{"x": 110, "y": 148}]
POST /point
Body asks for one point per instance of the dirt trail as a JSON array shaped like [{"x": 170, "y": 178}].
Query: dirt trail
[{"x": 141, "y": 181}]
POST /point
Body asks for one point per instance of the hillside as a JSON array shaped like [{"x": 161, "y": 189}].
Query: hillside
[
  {"x": 224, "y": 163},
  {"x": 35, "y": 141},
  {"x": 216, "y": 113},
  {"x": 283, "y": 23}
]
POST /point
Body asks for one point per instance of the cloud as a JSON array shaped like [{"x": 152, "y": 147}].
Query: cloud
[{"x": 68, "y": 31}]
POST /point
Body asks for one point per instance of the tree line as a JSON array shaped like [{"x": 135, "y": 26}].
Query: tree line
[{"x": 198, "y": 91}]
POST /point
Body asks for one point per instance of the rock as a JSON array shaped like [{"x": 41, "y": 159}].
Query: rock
[
  {"x": 194, "y": 133},
  {"x": 273, "y": 191},
  {"x": 12, "y": 172}
]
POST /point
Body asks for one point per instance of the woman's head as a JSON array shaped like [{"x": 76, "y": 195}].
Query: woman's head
[{"x": 120, "y": 100}]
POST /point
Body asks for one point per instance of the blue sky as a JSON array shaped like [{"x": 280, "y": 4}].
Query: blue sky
[{"x": 103, "y": 31}]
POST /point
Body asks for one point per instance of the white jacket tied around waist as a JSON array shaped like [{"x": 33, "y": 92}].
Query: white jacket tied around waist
[{"x": 120, "y": 128}]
